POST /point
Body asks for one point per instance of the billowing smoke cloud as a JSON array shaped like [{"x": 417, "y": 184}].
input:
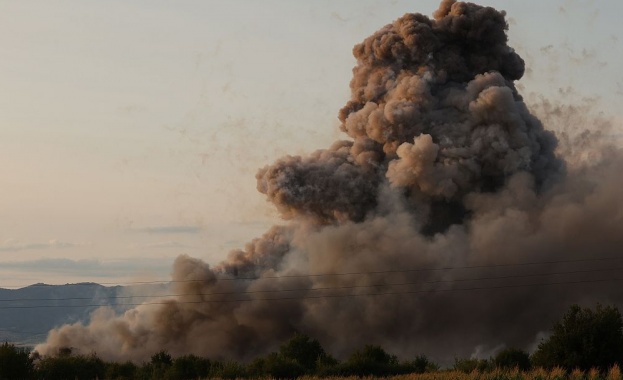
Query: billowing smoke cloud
[{"x": 444, "y": 167}]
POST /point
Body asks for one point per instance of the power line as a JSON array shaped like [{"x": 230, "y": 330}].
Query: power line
[
  {"x": 322, "y": 296},
  {"x": 319, "y": 288},
  {"x": 429, "y": 269},
  {"x": 166, "y": 302},
  {"x": 19, "y": 332}
]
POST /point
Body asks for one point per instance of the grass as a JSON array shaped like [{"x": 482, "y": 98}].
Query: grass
[{"x": 496, "y": 374}]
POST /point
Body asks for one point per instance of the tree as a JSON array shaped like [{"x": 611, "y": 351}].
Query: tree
[
  {"x": 371, "y": 360},
  {"x": 190, "y": 367},
  {"x": 121, "y": 371},
  {"x": 157, "y": 367},
  {"x": 15, "y": 362},
  {"x": 71, "y": 367},
  {"x": 307, "y": 352},
  {"x": 56, "y": 368},
  {"x": 373, "y": 354},
  {"x": 584, "y": 338},
  {"x": 471, "y": 365},
  {"x": 512, "y": 358},
  {"x": 227, "y": 370},
  {"x": 421, "y": 364},
  {"x": 162, "y": 359},
  {"x": 276, "y": 366}
]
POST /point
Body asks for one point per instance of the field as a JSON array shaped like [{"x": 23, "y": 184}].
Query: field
[{"x": 498, "y": 374}]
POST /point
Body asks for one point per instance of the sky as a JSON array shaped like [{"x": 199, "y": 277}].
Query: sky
[{"x": 131, "y": 131}]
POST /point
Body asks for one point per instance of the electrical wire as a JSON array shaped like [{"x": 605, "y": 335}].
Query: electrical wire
[
  {"x": 429, "y": 269},
  {"x": 319, "y": 288},
  {"x": 166, "y": 302}
]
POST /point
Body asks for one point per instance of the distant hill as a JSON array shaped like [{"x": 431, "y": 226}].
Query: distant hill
[{"x": 27, "y": 314}]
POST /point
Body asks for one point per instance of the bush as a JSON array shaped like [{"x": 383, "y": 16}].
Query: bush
[
  {"x": 306, "y": 352},
  {"x": 158, "y": 367},
  {"x": 227, "y": 370},
  {"x": 373, "y": 354},
  {"x": 71, "y": 367},
  {"x": 121, "y": 371},
  {"x": 584, "y": 338},
  {"x": 512, "y": 358},
  {"x": 15, "y": 363},
  {"x": 370, "y": 361},
  {"x": 471, "y": 365},
  {"x": 161, "y": 359},
  {"x": 420, "y": 364},
  {"x": 276, "y": 366},
  {"x": 89, "y": 367},
  {"x": 190, "y": 367}
]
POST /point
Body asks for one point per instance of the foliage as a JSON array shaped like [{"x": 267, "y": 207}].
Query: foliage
[
  {"x": 161, "y": 359},
  {"x": 15, "y": 362},
  {"x": 228, "y": 370},
  {"x": 71, "y": 367},
  {"x": 121, "y": 371},
  {"x": 583, "y": 338},
  {"x": 277, "y": 366},
  {"x": 421, "y": 364},
  {"x": 371, "y": 360},
  {"x": 306, "y": 352},
  {"x": 512, "y": 358},
  {"x": 372, "y": 354},
  {"x": 596, "y": 334},
  {"x": 189, "y": 367},
  {"x": 471, "y": 365}
]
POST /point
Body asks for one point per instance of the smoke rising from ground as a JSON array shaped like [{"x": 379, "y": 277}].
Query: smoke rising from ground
[{"x": 444, "y": 166}]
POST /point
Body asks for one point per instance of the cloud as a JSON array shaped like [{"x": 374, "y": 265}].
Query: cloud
[
  {"x": 88, "y": 267},
  {"x": 13, "y": 245},
  {"x": 163, "y": 244},
  {"x": 166, "y": 230},
  {"x": 53, "y": 265}
]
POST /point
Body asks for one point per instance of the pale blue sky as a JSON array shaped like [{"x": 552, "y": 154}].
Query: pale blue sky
[{"x": 130, "y": 131}]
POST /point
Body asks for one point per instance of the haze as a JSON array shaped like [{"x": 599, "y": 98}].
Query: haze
[{"x": 130, "y": 133}]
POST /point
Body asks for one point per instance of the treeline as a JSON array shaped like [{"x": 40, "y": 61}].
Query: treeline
[
  {"x": 582, "y": 343},
  {"x": 299, "y": 356}
]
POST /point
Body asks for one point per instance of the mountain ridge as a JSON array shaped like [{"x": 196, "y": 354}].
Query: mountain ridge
[{"x": 27, "y": 314}]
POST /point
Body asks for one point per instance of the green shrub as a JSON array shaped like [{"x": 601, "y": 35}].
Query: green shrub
[
  {"x": 306, "y": 352},
  {"x": 121, "y": 371},
  {"x": 471, "y": 365},
  {"x": 15, "y": 363},
  {"x": 161, "y": 359},
  {"x": 420, "y": 364},
  {"x": 71, "y": 367},
  {"x": 583, "y": 338},
  {"x": 158, "y": 367},
  {"x": 227, "y": 370},
  {"x": 276, "y": 366},
  {"x": 189, "y": 367},
  {"x": 371, "y": 360},
  {"x": 512, "y": 358}
]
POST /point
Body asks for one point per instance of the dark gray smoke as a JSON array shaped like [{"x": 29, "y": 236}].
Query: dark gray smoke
[{"x": 444, "y": 166}]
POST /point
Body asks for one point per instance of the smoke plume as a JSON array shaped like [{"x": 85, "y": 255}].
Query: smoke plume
[{"x": 443, "y": 166}]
